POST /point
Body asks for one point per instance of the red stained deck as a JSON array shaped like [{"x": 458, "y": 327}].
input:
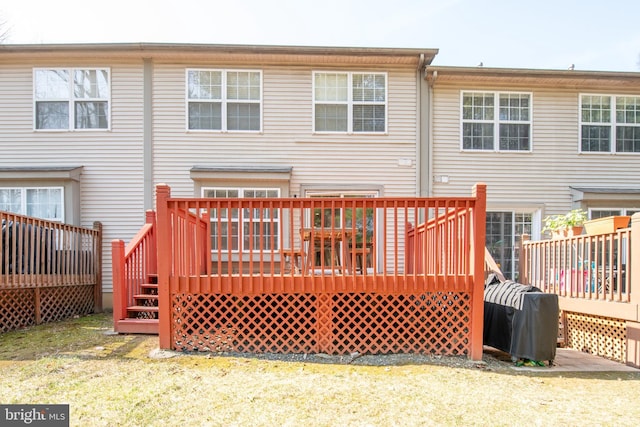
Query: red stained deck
[{"x": 309, "y": 275}]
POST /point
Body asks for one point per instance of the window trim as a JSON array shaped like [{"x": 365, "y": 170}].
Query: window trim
[
  {"x": 613, "y": 124},
  {"x": 23, "y": 199},
  {"x": 72, "y": 100},
  {"x": 224, "y": 100},
  {"x": 496, "y": 121},
  {"x": 349, "y": 102}
]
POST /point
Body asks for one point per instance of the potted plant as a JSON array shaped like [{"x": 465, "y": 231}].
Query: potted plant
[{"x": 569, "y": 224}]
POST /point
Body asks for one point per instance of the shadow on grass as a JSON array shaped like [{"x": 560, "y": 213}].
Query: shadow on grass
[
  {"x": 88, "y": 336},
  {"x": 92, "y": 337}
]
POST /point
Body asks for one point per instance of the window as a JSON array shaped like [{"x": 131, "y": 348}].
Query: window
[
  {"x": 71, "y": 98},
  {"x": 608, "y": 118},
  {"x": 224, "y": 100},
  {"x": 45, "y": 202},
  {"x": 596, "y": 213},
  {"x": 484, "y": 128},
  {"x": 350, "y": 102},
  {"x": 231, "y": 228}
]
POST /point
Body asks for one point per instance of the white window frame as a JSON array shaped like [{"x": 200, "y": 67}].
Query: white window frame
[
  {"x": 496, "y": 121},
  {"x": 243, "y": 219},
  {"x": 224, "y": 101},
  {"x": 72, "y": 100},
  {"x": 350, "y": 103},
  {"x": 621, "y": 211},
  {"x": 612, "y": 124},
  {"x": 23, "y": 201}
]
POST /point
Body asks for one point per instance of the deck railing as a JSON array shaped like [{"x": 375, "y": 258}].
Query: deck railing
[
  {"x": 248, "y": 247},
  {"x": 276, "y": 251},
  {"x": 587, "y": 267},
  {"x": 56, "y": 266},
  {"x": 443, "y": 242},
  {"x": 596, "y": 278},
  {"x": 132, "y": 266}
]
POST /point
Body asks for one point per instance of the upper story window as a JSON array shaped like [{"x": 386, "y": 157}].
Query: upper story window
[
  {"x": 350, "y": 102},
  {"x": 40, "y": 202},
  {"x": 71, "y": 98},
  {"x": 495, "y": 121},
  {"x": 224, "y": 100},
  {"x": 608, "y": 118}
]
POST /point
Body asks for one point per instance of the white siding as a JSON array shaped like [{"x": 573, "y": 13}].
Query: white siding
[
  {"x": 287, "y": 138},
  {"x": 111, "y": 182},
  {"x": 540, "y": 178}
]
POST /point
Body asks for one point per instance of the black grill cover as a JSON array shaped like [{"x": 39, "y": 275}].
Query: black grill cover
[{"x": 520, "y": 320}]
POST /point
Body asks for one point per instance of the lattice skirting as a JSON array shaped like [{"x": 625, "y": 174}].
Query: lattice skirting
[
  {"x": 601, "y": 336},
  {"x": 18, "y": 306},
  {"x": 17, "y": 309},
  {"x": 368, "y": 323}
]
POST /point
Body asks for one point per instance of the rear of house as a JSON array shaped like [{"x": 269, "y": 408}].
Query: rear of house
[
  {"x": 89, "y": 130},
  {"x": 545, "y": 142}
]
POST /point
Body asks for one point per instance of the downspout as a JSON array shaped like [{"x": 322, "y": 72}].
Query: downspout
[
  {"x": 429, "y": 137},
  {"x": 422, "y": 152},
  {"x": 147, "y": 133}
]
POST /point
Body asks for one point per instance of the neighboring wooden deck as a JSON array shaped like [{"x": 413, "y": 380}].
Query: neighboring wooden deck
[
  {"x": 48, "y": 271},
  {"x": 597, "y": 280}
]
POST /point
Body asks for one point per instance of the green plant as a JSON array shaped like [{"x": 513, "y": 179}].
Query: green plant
[{"x": 574, "y": 218}]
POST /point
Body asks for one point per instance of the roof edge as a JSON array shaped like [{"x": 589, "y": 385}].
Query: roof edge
[
  {"x": 234, "y": 48},
  {"x": 529, "y": 72}
]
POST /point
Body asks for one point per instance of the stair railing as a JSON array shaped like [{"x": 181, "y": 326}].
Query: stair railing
[{"x": 132, "y": 266}]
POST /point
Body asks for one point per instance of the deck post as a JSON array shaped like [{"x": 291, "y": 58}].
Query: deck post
[
  {"x": 163, "y": 239},
  {"x": 477, "y": 298},
  {"x": 119, "y": 292},
  {"x": 633, "y": 328},
  {"x": 525, "y": 261},
  {"x": 97, "y": 293}
]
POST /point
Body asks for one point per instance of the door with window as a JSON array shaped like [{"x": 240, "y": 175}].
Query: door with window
[
  {"x": 359, "y": 246},
  {"x": 504, "y": 231}
]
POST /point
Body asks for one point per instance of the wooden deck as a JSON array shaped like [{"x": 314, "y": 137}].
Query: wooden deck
[
  {"x": 48, "y": 271},
  {"x": 595, "y": 279},
  {"x": 310, "y": 275}
]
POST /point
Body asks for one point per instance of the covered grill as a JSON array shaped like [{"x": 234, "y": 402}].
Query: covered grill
[{"x": 520, "y": 320}]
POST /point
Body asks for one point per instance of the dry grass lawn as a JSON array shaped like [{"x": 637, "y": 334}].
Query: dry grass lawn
[{"x": 111, "y": 380}]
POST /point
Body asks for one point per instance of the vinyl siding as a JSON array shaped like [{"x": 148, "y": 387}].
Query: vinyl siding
[
  {"x": 111, "y": 188},
  {"x": 112, "y": 180},
  {"x": 539, "y": 178},
  {"x": 287, "y": 138}
]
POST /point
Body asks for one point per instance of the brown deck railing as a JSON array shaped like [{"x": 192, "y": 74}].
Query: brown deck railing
[
  {"x": 587, "y": 267},
  {"x": 310, "y": 275},
  {"x": 596, "y": 278},
  {"x": 48, "y": 270}
]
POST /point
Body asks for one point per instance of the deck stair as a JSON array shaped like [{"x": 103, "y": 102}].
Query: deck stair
[{"x": 142, "y": 317}]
